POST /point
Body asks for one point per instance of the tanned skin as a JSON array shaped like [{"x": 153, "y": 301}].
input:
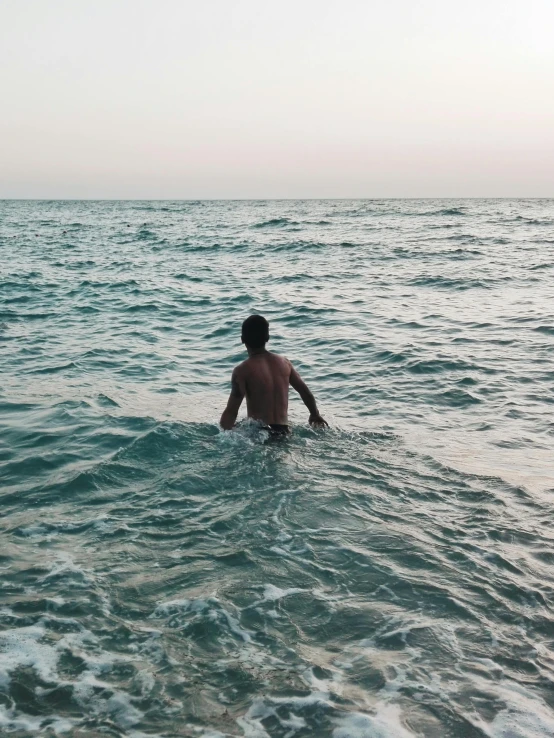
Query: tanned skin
[{"x": 264, "y": 380}]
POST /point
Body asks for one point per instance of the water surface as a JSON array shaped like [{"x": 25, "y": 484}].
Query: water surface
[{"x": 389, "y": 578}]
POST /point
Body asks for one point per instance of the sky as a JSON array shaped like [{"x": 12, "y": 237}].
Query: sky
[{"x": 176, "y": 99}]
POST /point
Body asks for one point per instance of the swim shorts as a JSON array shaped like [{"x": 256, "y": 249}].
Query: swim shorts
[{"x": 277, "y": 430}]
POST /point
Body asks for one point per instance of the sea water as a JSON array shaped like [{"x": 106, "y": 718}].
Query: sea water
[{"x": 390, "y": 577}]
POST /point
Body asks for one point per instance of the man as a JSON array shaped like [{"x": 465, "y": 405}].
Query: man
[{"x": 264, "y": 379}]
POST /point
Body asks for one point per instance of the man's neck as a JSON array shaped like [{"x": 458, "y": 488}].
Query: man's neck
[{"x": 256, "y": 351}]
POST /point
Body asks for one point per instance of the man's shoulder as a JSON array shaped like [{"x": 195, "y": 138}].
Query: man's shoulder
[
  {"x": 241, "y": 367},
  {"x": 278, "y": 357},
  {"x": 281, "y": 363},
  {"x": 252, "y": 363}
]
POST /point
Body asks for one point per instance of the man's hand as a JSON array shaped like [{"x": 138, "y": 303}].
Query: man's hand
[{"x": 317, "y": 421}]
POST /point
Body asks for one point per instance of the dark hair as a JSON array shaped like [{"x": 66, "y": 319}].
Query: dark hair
[{"x": 255, "y": 331}]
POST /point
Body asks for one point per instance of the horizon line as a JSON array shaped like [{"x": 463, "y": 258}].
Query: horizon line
[{"x": 267, "y": 199}]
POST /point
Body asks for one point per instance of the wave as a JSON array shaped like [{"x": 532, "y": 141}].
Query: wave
[
  {"x": 438, "y": 366},
  {"x": 297, "y": 246},
  {"x": 546, "y": 329},
  {"x": 276, "y": 223},
  {"x": 456, "y": 398},
  {"x": 178, "y": 207},
  {"x": 54, "y": 369},
  {"x": 189, "y": 277},
  {"x": 159, "y": 575},
  {"x": 145, "y": 235},
  {"x": 450, "y": 283},
  {"x": 534, "y": 221},
  {"x": 301, "y": 277},
  {"x": 401, "y": 252},
  {"x": 440, "y": 212},
  {"x": 206, "y": 553},
  {"x": 463, "y": 253}
]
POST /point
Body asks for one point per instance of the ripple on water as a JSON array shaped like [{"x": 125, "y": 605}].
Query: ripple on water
[{"x": 390, "y": 577}]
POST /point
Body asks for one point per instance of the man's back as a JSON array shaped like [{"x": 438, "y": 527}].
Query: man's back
[{"x": 265, "y": 379}]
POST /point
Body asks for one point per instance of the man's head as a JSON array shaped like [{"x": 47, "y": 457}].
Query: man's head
[{"x": 255, "y": 331}]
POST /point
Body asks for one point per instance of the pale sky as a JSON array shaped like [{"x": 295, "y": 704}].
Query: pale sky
[{"x": 254, "y": 99}]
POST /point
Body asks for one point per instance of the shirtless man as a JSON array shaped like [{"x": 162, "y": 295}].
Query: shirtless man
[{"x": 264, "y": 378}]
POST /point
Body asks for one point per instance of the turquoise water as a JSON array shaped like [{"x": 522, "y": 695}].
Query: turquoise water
[{"x": 389, "y": 578}]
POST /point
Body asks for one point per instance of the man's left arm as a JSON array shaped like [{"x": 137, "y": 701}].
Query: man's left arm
[{"x": 238, "y": 390}]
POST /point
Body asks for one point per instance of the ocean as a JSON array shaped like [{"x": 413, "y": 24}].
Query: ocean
[{"x": 390, "y": 577}]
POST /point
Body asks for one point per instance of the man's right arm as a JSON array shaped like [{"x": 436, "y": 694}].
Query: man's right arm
[
  {"x": 308, "y": 399},
  {"x": 234, "y": 402}
]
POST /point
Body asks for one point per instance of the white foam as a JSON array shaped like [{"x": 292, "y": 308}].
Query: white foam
[
  {"x": 11, "y": 720},
  {"x": 153, "y": 649},
  {"x": 60, "y": 725},
  {"x": 385, "y": 723},
  {"x": 74, "y": 642},
  {"x": 30, "y": 531},
  {"x": 53, "y": 619},
  {"x": 319, "y": 686},
  {"x": 264, "y": 707},
  {"x": 526, "y": 715},
  {"x": 246, "y": 432},
  {"x": 65, "y": 567},
  {"x": 251, "y": 723},
  {"x": 314, "y": 698},
  {"x": 295, "y": 722},
  {"x": 145, "y": 681},
  {"x": 280, "y": 551},
  {"x": 56, "y": 601},
  {"x": 387, "y": 590},
  {"x": 252, "y": 656},
  {"x": 180, "y": 606},
  {"x": 21, "y": 647},
  {"x": 118, "y": 705},
  {"x": 272, "y": 593},
  {"x": 210, "y": 608},
  {"x": 234, "y": 627},
  {"x": 510, "y": 724}
]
